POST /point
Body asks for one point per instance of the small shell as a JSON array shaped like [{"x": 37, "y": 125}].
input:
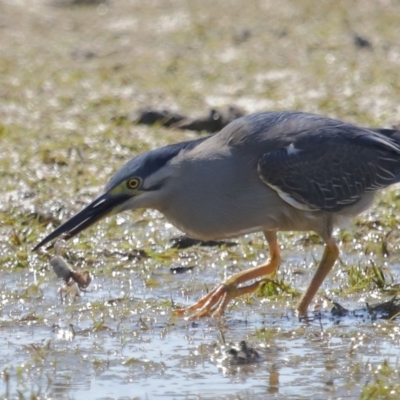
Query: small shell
[{"x": 61, "y": 268}]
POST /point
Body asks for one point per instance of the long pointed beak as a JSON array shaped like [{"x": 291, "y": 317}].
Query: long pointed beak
[{"x": 100, "y": 207}]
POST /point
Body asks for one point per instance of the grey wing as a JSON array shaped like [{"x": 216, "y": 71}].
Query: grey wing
[{"x": 330, "y": 174}]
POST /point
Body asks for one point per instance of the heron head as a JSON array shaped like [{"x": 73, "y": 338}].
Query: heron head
[{"x": 140, "y": 183}]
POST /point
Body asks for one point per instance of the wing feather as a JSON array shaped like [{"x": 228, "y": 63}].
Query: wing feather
[{"x": 331, "y": 173}]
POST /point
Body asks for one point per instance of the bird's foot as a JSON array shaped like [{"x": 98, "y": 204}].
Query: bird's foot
[{"x": 215, "y": 302}]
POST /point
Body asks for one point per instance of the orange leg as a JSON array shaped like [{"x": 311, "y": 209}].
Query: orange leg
[
  {"x": 331, "y": 254},
  {"x": 216, "y": 301}
]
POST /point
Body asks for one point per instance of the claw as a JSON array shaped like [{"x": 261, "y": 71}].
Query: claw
[
  {"x": 215, "y": 302},
  {"x": 206, "y": 304}
]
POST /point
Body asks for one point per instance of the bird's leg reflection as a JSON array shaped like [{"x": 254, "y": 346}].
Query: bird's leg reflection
[{"x": 215, "y": 302}]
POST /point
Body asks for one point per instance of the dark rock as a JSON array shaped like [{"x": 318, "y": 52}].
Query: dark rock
[
  {"x": 181, "y": 270},
  {"x": 213, "y": 122},
  {"x": 148, "y": 116},
  {"x": 361, "y": 42},
  {"x": 184, "y": 242}
]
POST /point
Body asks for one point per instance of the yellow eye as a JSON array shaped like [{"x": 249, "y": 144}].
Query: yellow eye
[{"x": 133, "y": 183}]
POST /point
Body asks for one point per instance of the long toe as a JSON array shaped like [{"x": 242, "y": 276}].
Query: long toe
[{"x": 206, "y": 304}]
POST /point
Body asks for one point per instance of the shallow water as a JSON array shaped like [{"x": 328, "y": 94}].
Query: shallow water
[{"x": 120, "y": 345}]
